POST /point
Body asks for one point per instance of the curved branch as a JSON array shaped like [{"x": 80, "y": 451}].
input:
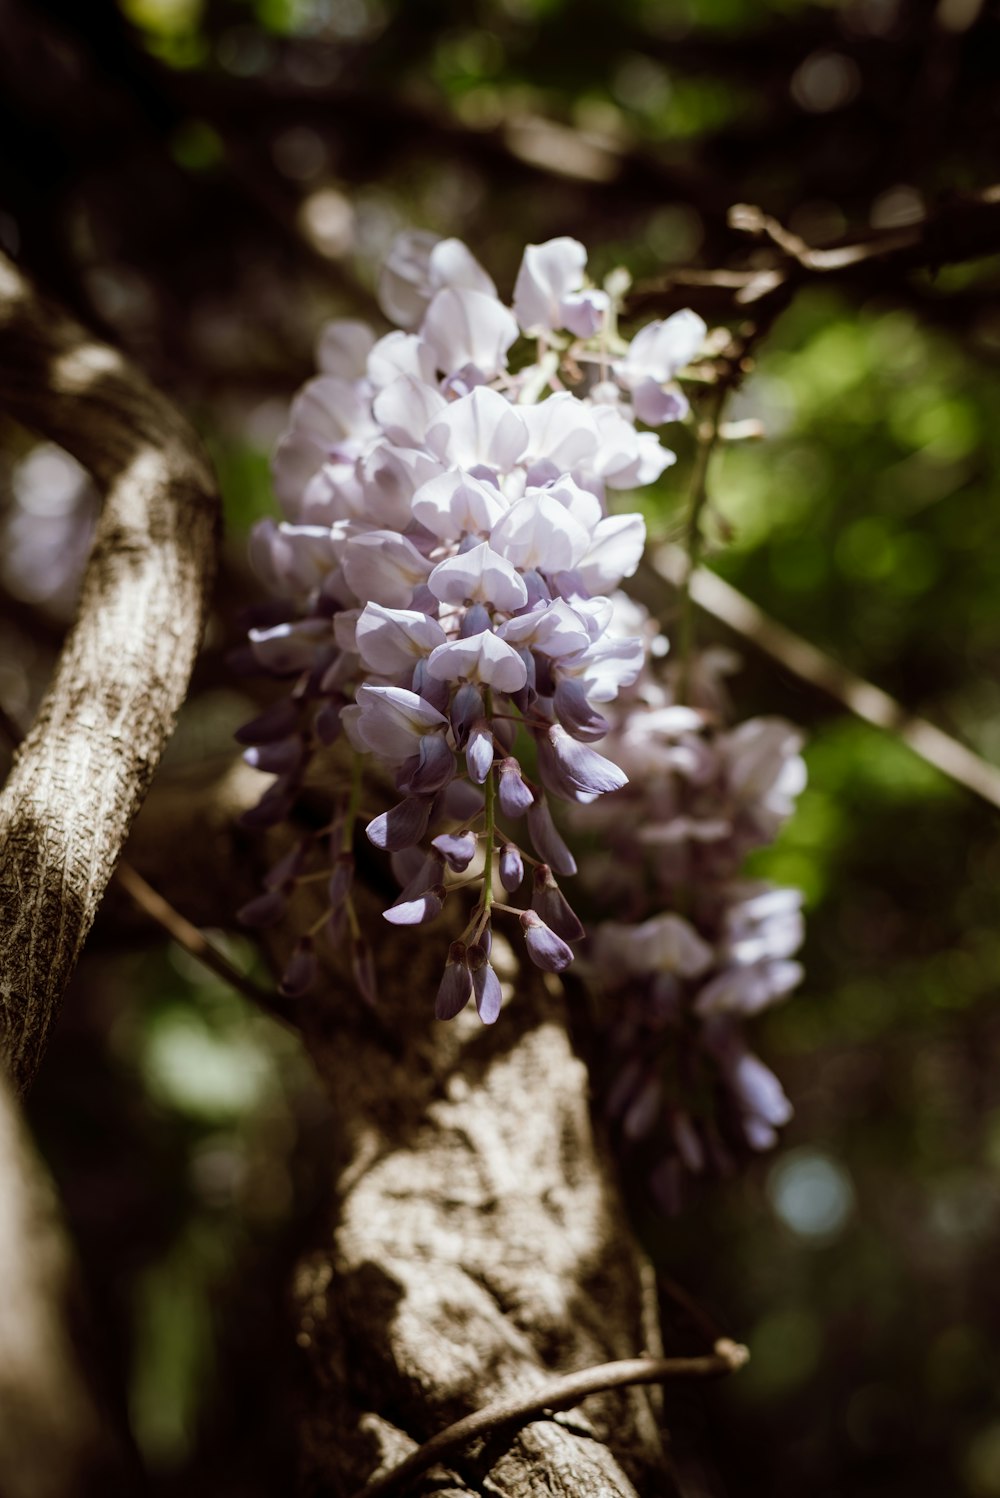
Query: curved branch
[{"x": 84, "y": 768}]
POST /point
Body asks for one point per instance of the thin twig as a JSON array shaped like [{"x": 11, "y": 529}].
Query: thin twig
[
  {"x": 725, "y": 603},
  {"x": 561, "y": 1394},
  {"x": 708, "y": 435},
  {"x": 177, "y": 926}
]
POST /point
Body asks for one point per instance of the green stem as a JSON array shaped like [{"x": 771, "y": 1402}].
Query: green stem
[{"x": 708, "y": 435}]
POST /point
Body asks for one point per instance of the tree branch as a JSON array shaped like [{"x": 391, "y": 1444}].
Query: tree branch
[{"x": 84, "y": 768}]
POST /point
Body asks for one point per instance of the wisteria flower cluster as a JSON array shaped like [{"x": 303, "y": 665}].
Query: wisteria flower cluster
[
  {"x": 701, "y": 949},
  {"x": 442, "y": 585}
]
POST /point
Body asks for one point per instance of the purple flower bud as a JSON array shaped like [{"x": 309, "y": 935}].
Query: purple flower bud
[
  {"x": 429, "y": 769},
  {"x": 301, "y": 972},
  {"x": 511, "y": 868},
  {"x": 455, "y": 990},
  {"x": 283, "y": 757},
  {"x": 477, "y": 618},
  {"x": 458, "y": 848},
  {"x": 479, "y": 752},
  {"x": 466, "y": 708},
  {"x": 341, "y": 878},
  {"x": 515, "y": 797},
  {"x": 643, "y": 1110},
  {"x": 264, "y": 910},
  {"x": 504, "y": 733},
  {"x": 402, "y": 826},
  {"x": 417, "y": 911},
  {"x": 546, "y": 950},
  {"x": 547, "y": 842},
  {"x": 327, "y": 722},
  {"x": 275, "y": 722},
  {"x": 548, "y": 901},
  {"x": 575, "y": 713},
  {"x": 363, "y": 968},
  {"x": 286, "y": 869},
  {"x": 486, "y": 985},
  {"x": 573, "y": 771},
  {"x": 272, "y": 808},
  {"x": 429, "y": 688}
]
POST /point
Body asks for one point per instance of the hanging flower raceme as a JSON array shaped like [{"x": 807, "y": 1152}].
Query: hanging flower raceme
[
  {"x": 684, "y": 1090},
  {"x": 442, "y": 582}
]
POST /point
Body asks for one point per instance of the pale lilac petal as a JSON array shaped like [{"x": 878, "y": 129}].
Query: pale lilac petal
[
  {"x": 583, "y": 312},
  {"x": 286, "y": 649},
  {"x": 455, "y": 504},
  {"x": 391, "y": 641},
  {"x": 480, "y": 429},
  {"x": 616, "y": 549},
  {"x": 389, "y": 476},
  {"x": 556, "y": 630},
  {"x": 660, "y": 349},
  {"x": 480, "y": 575},
  {"x": 466, "y": 328},
  {"x": 343, "y": 348},
  {"x": 479, "y": 753},
  {"x": 399, "y": 354},
  {"x": 483, "y": 658},
  {"x": 657, "y": 404},
  {"x": 486, "y": 986},
  {"x": 538, "y": 532},
  {"x": 383, "y": 567},
  {"x": 404, "y": 284},
  {"x": 406, "y": 408},
  {"x": 549, "y": 902},
  {"x": 390, "y": 721},
  {"x": 561, "y": 429},
  {"x": 453, "y": 264},
  {"x": 574, "y": 771},
  {"x": 548, "y": 273},
  {"x": 457, "y": 848},
  {"x": 416, "y": 912}
]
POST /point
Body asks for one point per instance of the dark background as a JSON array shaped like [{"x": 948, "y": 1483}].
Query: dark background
[{"x": 204, "y": 181}]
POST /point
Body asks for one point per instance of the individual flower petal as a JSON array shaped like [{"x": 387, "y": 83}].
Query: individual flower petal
[
  {"x": 391, "y": 641},
  {"x": 547, "y": 274},
  {"x": 574, "y": 771},
  {"x": 391, "y": 720},
  {"x": 406, "y": 408},
  {"x": 539, "y": 532},
  {"x": 561, "y": 429},
  {"x": 657, "y": 404},
  {"x": 343, "y": 348},
  {"x": 416, "y": 912},
  {"x": 286, "y": 649},
  {"x": 465, "y": 328},
  {"x": 402, "y": 826},
  {"x": 549, "y": 902},
  {"x": 479, "y": 429},
  {"x": 483, "y": 658},
  {"x": 547, "y": 842},
  {"x": 400, "y": 354},
  {"x": 661, "y": 348},
  {"x": 615, "y": 551},
  {"x": 479, "y": 575},
  {"x": 383, "y": 567},
  {"x": 455, "y": 504}
]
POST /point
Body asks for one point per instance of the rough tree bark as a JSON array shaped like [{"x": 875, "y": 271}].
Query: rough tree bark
[
  {"x": 83, "y": 770},
  {"x": 475, "y": 1242},
  {"x": 65, "y": 811}
]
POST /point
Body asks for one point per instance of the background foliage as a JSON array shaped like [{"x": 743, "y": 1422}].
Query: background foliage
[{"x": 206, "y": 180}]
